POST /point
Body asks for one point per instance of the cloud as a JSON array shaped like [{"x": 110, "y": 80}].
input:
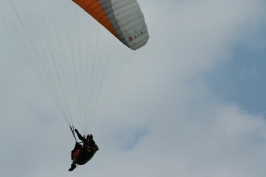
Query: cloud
[{"x": 160, "y": 117}]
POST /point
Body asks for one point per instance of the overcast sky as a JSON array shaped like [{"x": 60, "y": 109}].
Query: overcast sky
[{"x": 191, "y": 103}]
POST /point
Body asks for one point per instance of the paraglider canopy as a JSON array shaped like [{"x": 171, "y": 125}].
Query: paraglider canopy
[{"x": 123, "y": 18}]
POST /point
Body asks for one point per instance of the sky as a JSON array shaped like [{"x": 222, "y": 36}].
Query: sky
[{"x": 190, "y": 103}]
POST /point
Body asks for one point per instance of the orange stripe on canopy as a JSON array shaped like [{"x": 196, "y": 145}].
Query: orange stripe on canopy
[{"x": 95, "y": 9}]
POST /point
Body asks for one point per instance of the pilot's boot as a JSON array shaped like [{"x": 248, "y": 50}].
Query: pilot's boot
[{"x": 73, "y": 166}]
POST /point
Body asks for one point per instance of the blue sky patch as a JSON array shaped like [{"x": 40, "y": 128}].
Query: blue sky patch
[
  {"x": 242, "y": 80},
  {"x": 129, "y": 137}
]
